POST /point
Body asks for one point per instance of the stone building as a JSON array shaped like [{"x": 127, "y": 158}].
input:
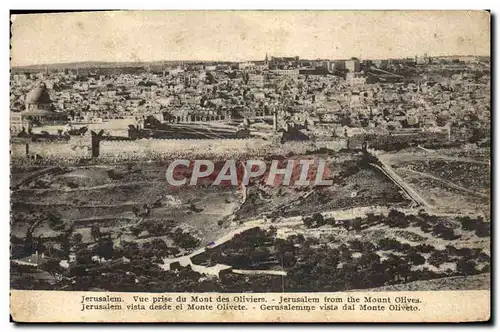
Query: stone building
[{"x": 38, "y": 111}]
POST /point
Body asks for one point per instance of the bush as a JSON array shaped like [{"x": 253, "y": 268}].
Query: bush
[
  {"x": 318, "y": 218},
  {"x": 425, "y": 248},
  {"x": 392, "y": 244},
  {"x": 483, "y": 231},
  {"x": 486, "y": 269},
  {"x": 416, "y": 259},
  {"x": 397, "y": 219},
  {"x": 444, "y": 232},
  {"x": 356, "y": 245},
  {"x": 55, "y": 222},
  {"x": 482, "y": 257},
  {"x": 356, "y": 224},
  {"x": 437, "y": 258},
  {"x": 308, "y": 222},
  {"x": 481, "y": 228},
  {"x": 466, "y": 267}
]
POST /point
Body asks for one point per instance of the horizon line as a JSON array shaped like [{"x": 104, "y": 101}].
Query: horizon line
[{"x": 233, "y": 61}]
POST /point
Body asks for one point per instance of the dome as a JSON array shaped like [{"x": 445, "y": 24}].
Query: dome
[{"x": 38, "y": 95}]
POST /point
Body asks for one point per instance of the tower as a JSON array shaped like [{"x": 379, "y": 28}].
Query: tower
[{"x": 266, "y": 60}]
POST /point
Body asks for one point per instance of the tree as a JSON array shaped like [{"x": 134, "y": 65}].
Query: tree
[
  {"x": 95, "y": 232},
  {"x": 416, "y": 259},
  {"x": 483, "y": 229},
  {"x": 371, "y": 218},
  {"x": 368, "y": 259},
  {"x": 288, "y": 259},
  {"x": 272, "y": 231},
  {"x": 186, "y": 240},
  {"x": 466, "y": 267},
  {"x": 467, "y": 223},
  {"x": 397, "y": 219},
  {"x": 105, "y": 248},
  {"x": 29, "y": 245},
  {"x": 437, "y": 258},
  {"x": 331, "y": 221},
  {"x": 356, "y": 245},
  {"x": 345, "y": 255},
  {"x": 245, "y": 77},
  {"x": 356, "y": 224},
  {"x": 84, "y": 257},
  {"x": 130, "y": 249},
  {"x": 444, "y": 232},
  {"x": 55, "y": 221},
  {"x": 159, "y": 244},
  {"x": 76, "y": 239},
  {"x": 135, "y": 231},
  {"x": 318, "y": 219},
  {"x": 52, "y": 266},
  {"x": 425, "y": 248},
  {"x": 259, "y": 254},
  {"x": 308, "y": 222}
]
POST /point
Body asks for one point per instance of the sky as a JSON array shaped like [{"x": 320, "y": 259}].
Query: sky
[{"x": 245, "y": 35}]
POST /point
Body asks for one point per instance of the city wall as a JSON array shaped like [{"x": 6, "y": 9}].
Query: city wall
[
  {"x": 145, "y": 148},
  {"x": 80, "y": 147},
  {"x": 153, "y": 148}
]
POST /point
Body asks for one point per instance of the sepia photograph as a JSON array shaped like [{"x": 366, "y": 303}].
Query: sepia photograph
[{"x": 228, "y": 156}]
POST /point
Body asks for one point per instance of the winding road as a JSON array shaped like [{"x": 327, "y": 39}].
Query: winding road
[{"x": 341, "y": 214}]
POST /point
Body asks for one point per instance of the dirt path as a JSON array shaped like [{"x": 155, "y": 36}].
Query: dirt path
[
  {"x": 102, "y": 186},
  {"x": 285, "y": 222},
  {"x": 404, "y": 158},
  {"x": 398, "y": 181},
  {"x": 447, "y": 183}
]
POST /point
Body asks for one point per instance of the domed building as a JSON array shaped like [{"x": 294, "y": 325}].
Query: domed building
[
  {"x": 38, "y": 98},
  {"x": 38, "y": 111}
]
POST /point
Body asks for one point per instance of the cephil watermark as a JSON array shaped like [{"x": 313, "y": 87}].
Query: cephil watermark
[{"x": 284, "y": 172}]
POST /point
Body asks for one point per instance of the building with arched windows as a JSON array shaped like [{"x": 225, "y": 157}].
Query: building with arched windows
[{"x": 38, "y": 111}]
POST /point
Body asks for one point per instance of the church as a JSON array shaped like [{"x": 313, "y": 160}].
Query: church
[{"x": 38, "y": 111}]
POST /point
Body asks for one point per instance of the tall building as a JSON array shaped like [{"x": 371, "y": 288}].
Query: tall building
[{"x": 353, "y": 65}]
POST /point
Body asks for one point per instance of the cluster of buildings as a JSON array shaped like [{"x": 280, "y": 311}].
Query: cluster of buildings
[{"x": 321, "y": 97}]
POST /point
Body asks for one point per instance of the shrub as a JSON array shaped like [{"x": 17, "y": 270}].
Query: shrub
[
  {"x": 416, "y": 259},
  {"x": 437, "y": 258},
  {"x": 425, "y": 248},
  {"x": 466, "y": 267}
]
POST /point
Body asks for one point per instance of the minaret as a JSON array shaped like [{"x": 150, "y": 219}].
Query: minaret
[{"x": 266, "y": 60}]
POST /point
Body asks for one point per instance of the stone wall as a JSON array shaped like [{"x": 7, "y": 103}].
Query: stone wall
[
  {"x": 80, "y": 147},
  {"x": 153, "y": 148}
]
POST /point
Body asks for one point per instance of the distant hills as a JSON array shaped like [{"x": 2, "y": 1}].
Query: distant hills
[
  {"x": 104, "y": 64},
  {"x": 156, "y": 64}
]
